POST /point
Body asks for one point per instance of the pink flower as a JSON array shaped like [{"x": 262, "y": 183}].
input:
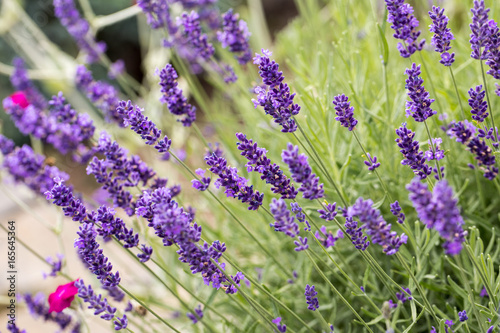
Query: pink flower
[
  {"x": 62, "y": 297},
  {"x": 19, "y": 98}
]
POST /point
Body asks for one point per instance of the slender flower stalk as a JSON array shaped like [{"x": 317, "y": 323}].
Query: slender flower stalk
[{"x": 276, "y": 98}]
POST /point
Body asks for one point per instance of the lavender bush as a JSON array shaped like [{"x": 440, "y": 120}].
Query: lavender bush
[{"x": 342, "y": 178}]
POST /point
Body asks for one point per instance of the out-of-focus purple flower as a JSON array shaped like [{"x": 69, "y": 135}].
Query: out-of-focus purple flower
[
  {"x": 330, "y": 239},
  {"x": 376, "y": 227},
  {"x": 483, "y": 292},
  {"x": 133, "y": 116},
  {"x": 276, "y": 99},
  {"x": 344, "y": 111},
  {"x": 419, "y": 106},
  {"x": 79, "y": 29},
  {"x": 404, "y": 24},
  {"x": 174, "y": 98},
  {"x": 281, "y": 327},
  {"x": 462, "y": 316},
  {"x": 29, "y": 168},
  {"x": 396, "y": 211},
  {"x": 56, "y": 265},
  {"x": 235, "y": 35},
  {"x": 37, "y": 307},
  {"x": 203, "y": 183},
  {"x": 147, "y": 251},
  {"x": 116, "y": 69},
  {"x": 372, "y": 163},
  {"x": 302, "y": 173},
  {"x": 271, "y": 173},
  {"x": 478, "y": 104},
  {"x": 21, "y": 82},
  {"x": 103, "y": 95},
  {"x": 462, "y": 131},
  {"x": 490, "y": 330},
  {"x": 330, "y": 212},
  {"x": 479, "y": 37},
  {"x": 196, "y": 317},
  {"x": 158, "y": 14},
  {"x": 442, "y": 35},
  {"x": 301, "y": 244},
  {"x": 438, "y": 210},
  {"x": 284, "y": 222},
  {"x": 413, "y": 157},
  {"x": 235, "y": 185},
  {"x": 311, "y": 299},
  {"x": 437, "y": 153}
]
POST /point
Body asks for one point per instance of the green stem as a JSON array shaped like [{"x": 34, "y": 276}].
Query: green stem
[{"x": 456, "y": 91}]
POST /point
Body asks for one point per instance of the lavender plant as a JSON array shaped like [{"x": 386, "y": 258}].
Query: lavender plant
[{"x": 316, "y": 189}]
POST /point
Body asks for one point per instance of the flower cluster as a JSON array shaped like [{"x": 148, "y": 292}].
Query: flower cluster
[
  {"x": 276, "y": 98},
  {"x": 284, "y": 222},
  {"x": 29, "y": 168},
  {"x": 462, "y": 316},
  {"x": 302, "y": 173},
  {"x": 329, "y": 212},
  {"x": 396, "y": 211},
  {"x": 438, "y": 210},
  {"x": 235, "y": 35},
  {"x": 404, "y": 24},
  {"x": 103, "y": 95},
  {"x": 299, "y": 214},
  {"x": 494, "y": 52},
  {"x": 413, "y": 157},
  {"x": 271, "y": 173},
  {"x": 356, "y": 234},
  {"x": 117, "y": 171},
  {"x": 235, "y": 185},
  {"x": 344, "y": 111},
  {"x": 56, "y": 265},
  {"x": 100, "y": 305},
  {"x": 311, "y": 299},
  {"x": 419, "y": 107},
  {"x": 329, "y": 239},
  {"x": 464, "y": 132},
  {"x": 174, "y": 98},
  {"x": 477, "y": 103},
  {"x": 281, "y": 327},
  {"x": 133, "y": 116},
  {"x": 375, "y": 226},
  {"x": 157, "y": 14},
  {"x": 442, "y": 35},
  {"x": 37, "y": 308},
  {"x": 174, "y": 225},
  {"x": 479, "y": 38},
  {"x": 203, "y": 183},
  {"x": 435, "y": 153},
  {"x": 372, "y": 163},
  {"x": 79, "y": 29},
  {"x": 196, "y": 316}
]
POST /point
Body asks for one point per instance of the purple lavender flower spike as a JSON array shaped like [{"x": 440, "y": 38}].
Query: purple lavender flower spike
[
  {"x": 494, "y": 51},
  {"x": 116, "y": 69},
  {"x": 402, "y": 296},
  {"x": 462, "y": 316},
  {"x": 442, "y": 35},
  {"x": 203, "y": 183},
  {"x": 271, "y": 173},
  {"x": 344, "y": 111},
  {"x": 192, "y": 44},
  {"x": 410, "y": 150},
  {"x": 281, "y": 327},
  {"x": 376, "y": 227},
  {"x": 438, "y": 154},
  {"x": 197, "y": 316},
  {"x": 37, "y": 308},
  {"x": 99, "y": 304},
  {"x": 147, "y": 251},
  {"x": 133, "y": 116},
  {"x": 302, "y": 173},
  {"x": 29, "y": 168},
  {"x": 396, "y": 211},
  {"x": 235, "y": 35},
  {"x": 439, "y": 211},
  {"x": 419, "y": 107},
  {"x": 479, "y": 37},
  {"x": 276, "y": 98},
  {"x": 330, "y": 240},
  {"x": 158, "y": 14},
  {"x": 283, "y": 221},
  {"x": 356, "y": 234},
  {"x": 311, "y": 299},
  {"x": 478, "y": 104},
  {"x": 79, "y": 29},
  {"x": 235, "y": 185},
  {"x": 330, "y": 212},
  {"x": 301, "y": 244},
  {"x": 172, "y": 96},
  {"x": 372, "y": 163},
  {"x": 404, "y": 24},
  {"x": 56, "y": 265}
]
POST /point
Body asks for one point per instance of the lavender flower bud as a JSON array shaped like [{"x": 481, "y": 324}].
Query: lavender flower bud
[
  {"x": 442, "y": 35},
  {"x": 419, "y": 107}
]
